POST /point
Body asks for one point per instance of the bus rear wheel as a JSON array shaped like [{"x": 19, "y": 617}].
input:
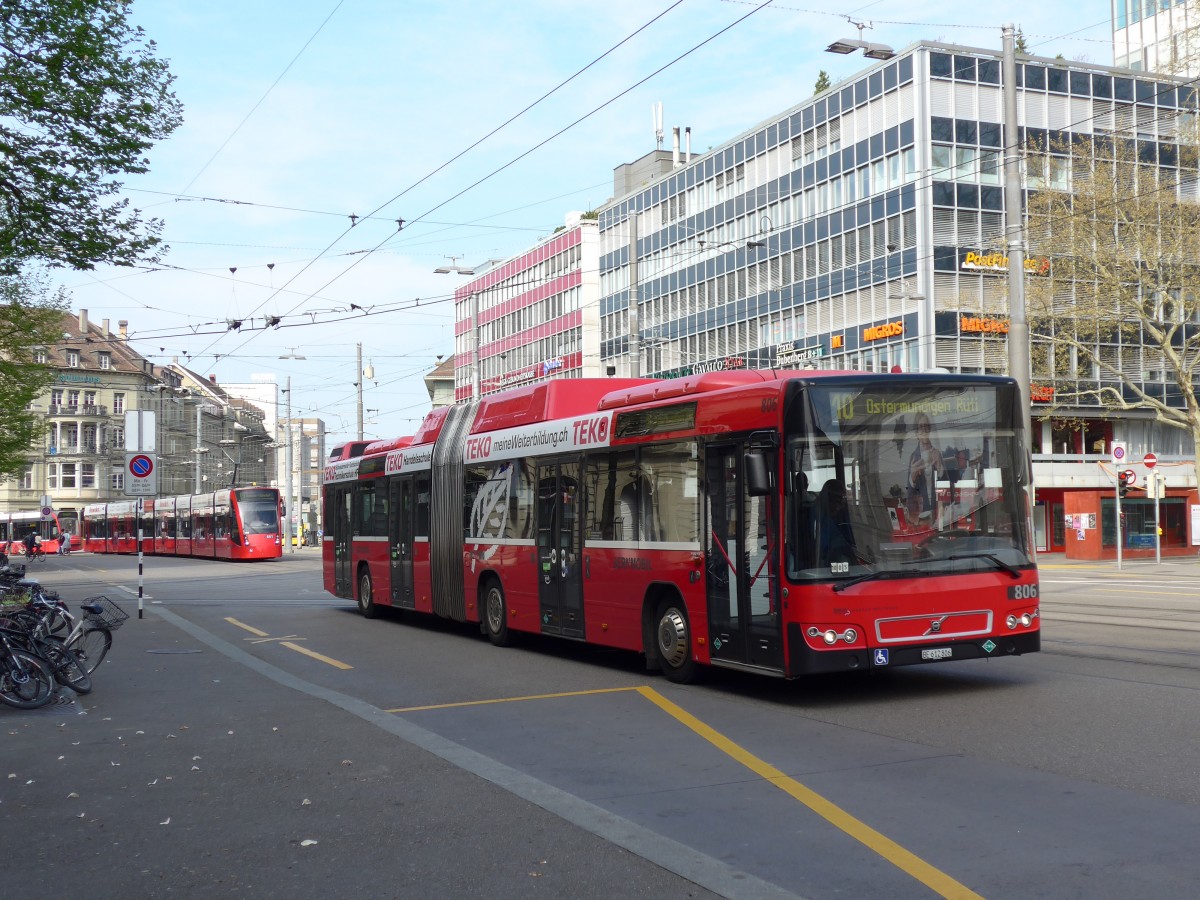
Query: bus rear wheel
[
  {"x": 495, "y": 615},
  {"x": 366, "y": 595},
  {"x": 673, "y": 636}
]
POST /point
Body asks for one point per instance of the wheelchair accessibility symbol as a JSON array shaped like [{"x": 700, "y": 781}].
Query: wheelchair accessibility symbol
[{"x": 881, "y": 657}]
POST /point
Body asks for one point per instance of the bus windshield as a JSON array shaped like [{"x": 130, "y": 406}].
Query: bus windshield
[
  {"x": 908, "y": 477},
  {"x": 260, "y": 511}
]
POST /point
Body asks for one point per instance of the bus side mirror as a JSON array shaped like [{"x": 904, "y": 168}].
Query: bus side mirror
[{"x": 758, "y": 475}]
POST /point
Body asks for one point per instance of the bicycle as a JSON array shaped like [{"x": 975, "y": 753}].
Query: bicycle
[
  {"x": 89, "y": 637},
  {"x": 68, "y": 670},
  {"x": 26, "y": 681}
]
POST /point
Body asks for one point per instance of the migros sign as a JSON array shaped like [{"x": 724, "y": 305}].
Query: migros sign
[
  {"x": 982, "y": 325},
  {"x": 881, "y": 332}
]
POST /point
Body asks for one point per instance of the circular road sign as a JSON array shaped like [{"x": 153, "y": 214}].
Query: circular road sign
[
  {"x": 1129, "y": 476},
  {"x": 1118, "y": 452},
  {"x": 141, "y": 466},
  {"x": 1150, "y": 460},
  {"x": 46, "y": 511}
]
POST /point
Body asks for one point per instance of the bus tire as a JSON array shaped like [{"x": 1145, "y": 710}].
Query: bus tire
[
  {"x": 673, "y": 641},
  {"x": 366, "y": 594},
  {"x": 495, "y": 614}
]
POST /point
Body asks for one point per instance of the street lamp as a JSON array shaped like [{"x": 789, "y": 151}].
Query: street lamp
[
  {"x": 476, "y": 374},
  {"x": 871, "y": 51}
]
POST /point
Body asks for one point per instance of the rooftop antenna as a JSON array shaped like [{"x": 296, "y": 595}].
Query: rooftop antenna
[{"x": 656, "y": 111}]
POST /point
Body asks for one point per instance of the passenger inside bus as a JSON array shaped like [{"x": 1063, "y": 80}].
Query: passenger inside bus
[{"x": 836, "y": 538}]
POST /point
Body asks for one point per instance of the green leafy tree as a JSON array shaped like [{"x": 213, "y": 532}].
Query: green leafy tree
[
  {"x": 1020, "y": 44},
  {"x": 30, "y": 318},
  {"x": 1115, "y": 310},
  {"x": 823, "y": 82},
  {"x": 82, "y": 98}
]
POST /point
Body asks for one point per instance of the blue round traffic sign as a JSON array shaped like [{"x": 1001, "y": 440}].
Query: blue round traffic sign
[{"x": 141, "y": 466}]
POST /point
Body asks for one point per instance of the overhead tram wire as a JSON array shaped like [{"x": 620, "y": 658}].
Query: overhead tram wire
[
  {"x": 274, "y": 84},
  {"x": 452, "y": 159},
  {"x": 498, "y": 170},
  {"x": 436, "y": 300}
]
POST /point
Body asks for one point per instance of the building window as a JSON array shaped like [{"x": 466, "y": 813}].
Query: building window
[
  {"x": 68, "y": 476},
  {"x": 73, "y": 359},
  {"x": 40, "y": 356},
  {"x": 104, "y": 358},
  {"x": 56, "y": 397},
  {"x": 87, "y": 475},
  {"x": 27, "y": 479},
  {"x": 73, "y": 399},
  {"x": 118, "y": 404},
  {"x": 116, "y": 482}
]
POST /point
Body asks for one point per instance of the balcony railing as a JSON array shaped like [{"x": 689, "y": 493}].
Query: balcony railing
[{"x": 58, "y": 409}]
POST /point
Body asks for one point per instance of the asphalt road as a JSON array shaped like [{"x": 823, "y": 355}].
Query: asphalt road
[{"x": 251, "y": 736}]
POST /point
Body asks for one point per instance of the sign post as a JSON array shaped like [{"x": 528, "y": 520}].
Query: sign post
[
  {"x": 141, "y": 474},
  {"x": 1152, "y": 483},
  {"x": 1118, "y": 459}
]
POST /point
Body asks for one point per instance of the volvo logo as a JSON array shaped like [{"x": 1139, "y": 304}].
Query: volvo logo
[{"x": 936, "y": 625}]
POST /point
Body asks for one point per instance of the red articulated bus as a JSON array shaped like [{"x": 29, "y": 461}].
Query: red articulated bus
[
  {"x": 15, "y": 525},
  {"x": 784, "y": 523},
  {"x": 238, "y": 524}
]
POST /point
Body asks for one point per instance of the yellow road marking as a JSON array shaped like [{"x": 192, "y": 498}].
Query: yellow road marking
[
  {"x": 935, "y": 879},
  {"x": 325, "y": 659},
  {"x": 405, "y": 709},
  {"x": 908, "y": 862},
  {"x": 286, "y": 642},
  {"x": 268, "y": 640},
  {"x": 233, "y": 621}
]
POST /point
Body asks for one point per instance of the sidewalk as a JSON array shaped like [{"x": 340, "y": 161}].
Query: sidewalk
[{"x": 1175, "y": 566}]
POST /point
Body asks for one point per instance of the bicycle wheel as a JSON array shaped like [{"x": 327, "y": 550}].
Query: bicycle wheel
[
  {"x": 91, "y": 648},
  {"x": 68, "y": 670},
  {"x": 26, "y": 681}
]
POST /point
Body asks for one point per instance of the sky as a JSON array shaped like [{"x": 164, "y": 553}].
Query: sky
[{"x": 312, "y": 126}]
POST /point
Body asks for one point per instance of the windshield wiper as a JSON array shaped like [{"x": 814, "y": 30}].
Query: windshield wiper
[
  {"x": 991, "y": 557},
  {"x": 866, "y": 576}
]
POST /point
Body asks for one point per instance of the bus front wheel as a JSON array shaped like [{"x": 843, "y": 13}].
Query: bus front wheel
[
  {"x": 495, "y": 615},
  {"x": 366, "y": 595},
  {"x": 674, "y": 641}
]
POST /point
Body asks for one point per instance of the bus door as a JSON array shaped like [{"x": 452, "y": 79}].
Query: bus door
[
  {"x": 400, "y": 542},
  {"x": 742, "y": 582},
  {"x": 559, "y": 520},
  {"x": 343, "y": 575}
]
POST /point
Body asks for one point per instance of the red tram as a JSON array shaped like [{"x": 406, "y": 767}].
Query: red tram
[
  {"x": 238, "y": 524},
  {"x": 15, "y": 525}
]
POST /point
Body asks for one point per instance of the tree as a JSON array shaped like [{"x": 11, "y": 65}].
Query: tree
[
  {"x": 823, "y": 82},
  {"x": 30, "y": 318},
  {"x": 1116, "y": 318},
  {"x": 1020, "y": 44},
  {"x": 82, "y": 98}
]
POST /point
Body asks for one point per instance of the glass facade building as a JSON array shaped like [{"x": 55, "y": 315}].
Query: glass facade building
[{"x": 864, "y": 229}]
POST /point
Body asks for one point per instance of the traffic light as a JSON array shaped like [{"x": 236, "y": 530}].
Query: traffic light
[{"x": 1122, "y": 488}]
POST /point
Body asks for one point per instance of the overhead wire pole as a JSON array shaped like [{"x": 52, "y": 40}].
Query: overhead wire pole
[
  {"x": 290, "y": 509},
  {"x": 635, "y": 343},
  {"x": 360, "y": 392},
  {"x": 1014, "y": 227}
]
